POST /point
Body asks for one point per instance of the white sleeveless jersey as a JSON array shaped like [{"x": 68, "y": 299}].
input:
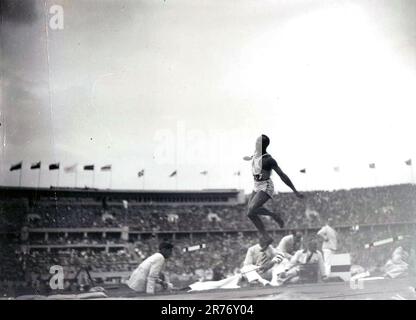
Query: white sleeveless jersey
[{"x": 257, "y": 164}]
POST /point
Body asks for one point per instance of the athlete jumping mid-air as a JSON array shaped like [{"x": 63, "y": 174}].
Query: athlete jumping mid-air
[{"x": 262, "y": 166}]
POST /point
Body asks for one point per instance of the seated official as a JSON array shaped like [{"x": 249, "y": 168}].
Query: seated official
[{"x": 289, "y": 244}]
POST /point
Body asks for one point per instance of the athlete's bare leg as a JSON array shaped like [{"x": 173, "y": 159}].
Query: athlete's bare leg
[
  {"x": 252, "y": 204},
  {"x": 262, "y": 211},
  {"x": 265, "y": 212},
  {"x": 255, "y": 203}
]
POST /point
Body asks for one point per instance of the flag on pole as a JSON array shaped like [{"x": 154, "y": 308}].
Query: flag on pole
[
  {"x": 372, "y": 165},
  {"x": 16, "y": 166},
  {"x": 70, "y": 169},
  {"x": 54, "y": 166},
  {"x": 35, "y": 165},
  {"x": 336, "y": 169},
  {"x": 89, "y": 167},
  {"x": 408, "y": 162},
  {"x": 174, "y": 173},
  {"x": 106, "y": 168},
  {"x": 205, "y": 172},
  {"x": 140, "y": 173},
  {"x": 237, "y": 173},
  {"x": 302, "y": 171}
]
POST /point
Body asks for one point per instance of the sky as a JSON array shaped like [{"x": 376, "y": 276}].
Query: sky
[{"x": 189, "y": 85}]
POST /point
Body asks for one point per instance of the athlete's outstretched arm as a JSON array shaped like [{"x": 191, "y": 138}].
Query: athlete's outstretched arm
[{"x": 286, "y": 180}]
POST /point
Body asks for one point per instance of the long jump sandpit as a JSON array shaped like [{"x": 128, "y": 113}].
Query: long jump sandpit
[
  {"x": 380, "y": 289},
  {"x": 372, "y": 289}
]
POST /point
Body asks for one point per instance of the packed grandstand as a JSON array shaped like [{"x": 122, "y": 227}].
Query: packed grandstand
[{"x": 97, "y": 230}]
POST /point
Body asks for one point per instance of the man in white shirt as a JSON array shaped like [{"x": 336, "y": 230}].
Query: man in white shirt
[
  {"x": 289, "y": 244},
  {"x": 255, "y": 255},
  {"x": 147, "y": 276},
  {"x": 261, "y": 262},
  {"x": 329, "y": 244}
]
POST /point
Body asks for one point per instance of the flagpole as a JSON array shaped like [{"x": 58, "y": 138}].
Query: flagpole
[
  {"x": 306, "y": 184},
  {"x": 143, "y": 183},
  {"x": 20, "y": 176},
  {"x": 176, "y": 164},
  {"x": 40, "y": 168},
  {"x": 111, "y": 177},
  {"x": 76, "y": 177},
  {"x": 58, "y": 176},
  {"x": 93, "y": 177}
]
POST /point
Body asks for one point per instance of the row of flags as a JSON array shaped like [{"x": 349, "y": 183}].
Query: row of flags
[
  {"x": 56, "y": 166},
  {"x": 370, "y": 165},
  {"x": 73, "y": 168}
]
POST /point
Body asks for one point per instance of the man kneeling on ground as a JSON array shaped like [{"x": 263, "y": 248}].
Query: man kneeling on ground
[
  {"x": 256, "y": 258},
  {"x": 258, "y": 264},
  {"x": 147, "y": 276}
]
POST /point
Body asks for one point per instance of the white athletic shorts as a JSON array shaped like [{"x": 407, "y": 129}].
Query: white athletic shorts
[{"x": 265, "y": 186}]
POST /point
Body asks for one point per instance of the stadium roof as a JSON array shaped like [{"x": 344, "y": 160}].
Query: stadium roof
[{"x": 98, "y": 193}]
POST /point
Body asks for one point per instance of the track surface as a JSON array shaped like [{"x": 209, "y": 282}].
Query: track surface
[
  {"x": 382, "y": 289},
  {"x": 397, "y": 289}
]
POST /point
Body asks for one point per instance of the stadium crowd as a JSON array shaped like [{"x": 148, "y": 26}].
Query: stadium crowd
[
  {"x": 346, "y": 207},
  {"x": 226, "y": 245}
]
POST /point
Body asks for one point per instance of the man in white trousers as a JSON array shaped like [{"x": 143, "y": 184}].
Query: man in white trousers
[{"x": 329, "y": 244}]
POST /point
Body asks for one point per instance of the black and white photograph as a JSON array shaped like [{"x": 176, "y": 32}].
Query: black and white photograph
[{"x": 186, "y": 150}]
